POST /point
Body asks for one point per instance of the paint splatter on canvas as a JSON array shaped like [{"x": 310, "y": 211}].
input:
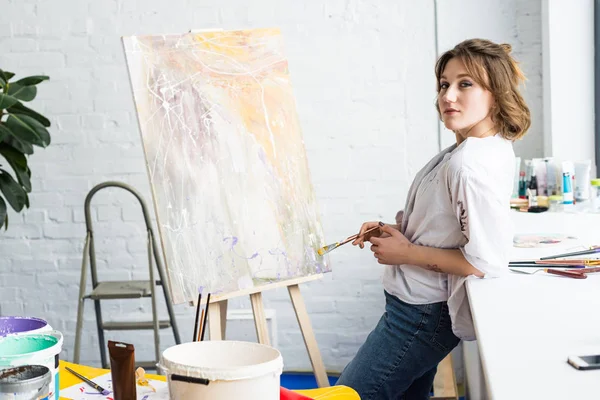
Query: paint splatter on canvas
[{"x": 235, "y": 205}]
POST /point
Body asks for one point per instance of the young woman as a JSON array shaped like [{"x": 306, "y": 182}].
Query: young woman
[{"x": 455, "y": 226}]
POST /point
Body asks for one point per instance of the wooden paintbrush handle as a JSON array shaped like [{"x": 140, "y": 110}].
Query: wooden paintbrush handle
[
  {"x": 355, "y": 236},
  {"x": 588, "y": 270},
  {"x": 569, "y": 274}
]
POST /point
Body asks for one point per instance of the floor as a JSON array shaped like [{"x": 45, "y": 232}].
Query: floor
[{"x": 306, "y": 380}]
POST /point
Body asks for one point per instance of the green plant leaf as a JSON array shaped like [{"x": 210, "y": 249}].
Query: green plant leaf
[
  {"x": 4, "y": 132},
  {"x": 6, "y": 75},
  {"x": 3, "y": 83},
  {"x": 28, "y": 130},
  {"x": 18, "y": 163},
  {"x": 3, "y": 214},
  {"x": 19, "y": 108},
  {"x": 7, "y": 101},
  {"x": 32, "y": 80},
  {"x": 13, "y": 192},
  {"x": 23, "y": 147},
  {"x": 13, "y": 155},
  {"x": 25, "y": 93}
]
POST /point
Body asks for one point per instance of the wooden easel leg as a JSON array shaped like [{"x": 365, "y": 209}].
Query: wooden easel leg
[
  {"x": 444, "y": 383},
  {"x": 260, "y": 319},
  {"x": 309, "y": 336},
  {"x": 217, "y": 317},
  {"x": 223, "y": 319}
]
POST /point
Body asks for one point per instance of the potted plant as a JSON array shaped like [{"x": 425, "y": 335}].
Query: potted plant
[{"x": 21, "y": 128}]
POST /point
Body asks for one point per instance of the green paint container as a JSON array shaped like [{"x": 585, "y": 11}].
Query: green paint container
[{"x": 34, "y": 349}]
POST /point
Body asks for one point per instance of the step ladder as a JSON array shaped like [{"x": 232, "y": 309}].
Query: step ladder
[{"x": 112, "y": 290}]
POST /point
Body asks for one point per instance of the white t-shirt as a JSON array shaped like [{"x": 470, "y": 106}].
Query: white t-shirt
[{"x": 459, "y": 200}]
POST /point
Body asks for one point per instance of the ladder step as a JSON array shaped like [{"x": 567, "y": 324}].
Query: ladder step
[
  {"x": 146, "y": 364},
  {"x": 121, "y": 290},
  {"x": 134, "y": 325}
]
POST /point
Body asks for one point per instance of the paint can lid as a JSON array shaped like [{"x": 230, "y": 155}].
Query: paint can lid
[
  {"x": 26, "y": 378},
  {"x": 595, "y": 182}
]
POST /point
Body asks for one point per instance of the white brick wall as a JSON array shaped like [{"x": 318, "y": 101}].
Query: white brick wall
[{"x": 363, "y": 77}]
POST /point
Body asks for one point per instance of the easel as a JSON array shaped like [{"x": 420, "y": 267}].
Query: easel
[
  {"x": 217, "y": 310},
  {"x": 217, "y": 317}
]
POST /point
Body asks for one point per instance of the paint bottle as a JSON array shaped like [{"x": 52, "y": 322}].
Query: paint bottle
[
  {"x": 567, "y": 188},
  {"x": 122, "y": 370},
  {"x": 533, "y": 184},
  {"x": 522, "y": 186},
  {"x": 552, "y": 178},
  {"x": 582, "y": 180},
  {"x": 595, "y": 195}
]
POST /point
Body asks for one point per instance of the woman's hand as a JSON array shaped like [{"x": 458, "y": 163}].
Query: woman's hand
[
  {"x": 377, "y": 233},
  {"x": 392, "y": 249}
]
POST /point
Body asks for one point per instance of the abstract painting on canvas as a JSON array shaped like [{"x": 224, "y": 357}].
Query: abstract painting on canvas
[{"x": 227, "y": 165}]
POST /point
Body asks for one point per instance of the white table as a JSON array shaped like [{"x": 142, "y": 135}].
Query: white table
[{"x": 527, "y": 325}]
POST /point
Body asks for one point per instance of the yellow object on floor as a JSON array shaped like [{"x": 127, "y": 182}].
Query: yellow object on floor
[{"x": 67, "y": 380}]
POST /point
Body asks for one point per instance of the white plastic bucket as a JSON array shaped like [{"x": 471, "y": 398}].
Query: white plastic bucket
[
  {"x": 232, "y": 370},
  {"x": 34, "y": 349}
]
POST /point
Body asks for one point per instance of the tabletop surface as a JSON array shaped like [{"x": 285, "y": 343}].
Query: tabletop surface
[{"x": 528, "y": 325}]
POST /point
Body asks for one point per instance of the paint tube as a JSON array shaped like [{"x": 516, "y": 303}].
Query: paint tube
[
  {"x": 122, "y": 370},
  {"x": 516, "y": 177},
  {"x": 582, "y": 180},
  {"x": 553, "y": 179},
  {"x": 542, "y": 178},
  {"x": 567, "y": 182}
]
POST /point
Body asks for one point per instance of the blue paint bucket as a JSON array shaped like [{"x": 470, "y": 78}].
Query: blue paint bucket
[{"x": 34, "y": 349}]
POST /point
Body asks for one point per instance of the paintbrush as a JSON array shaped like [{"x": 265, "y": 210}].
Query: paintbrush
[
  {"x": 89, "y": 382},
  {"x": 534, "y": 264},
  {"x": 591, "y": 250},
  {"x": 588, "y": 270},
  {"x": 326, "y": 249},
  {"x": 568, "y": 274}
]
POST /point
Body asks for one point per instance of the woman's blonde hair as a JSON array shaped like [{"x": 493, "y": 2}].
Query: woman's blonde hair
[{"x": 491, "y": 66}]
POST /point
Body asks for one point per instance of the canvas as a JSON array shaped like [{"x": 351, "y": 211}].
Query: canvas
[{"x": 227, "y": 165}]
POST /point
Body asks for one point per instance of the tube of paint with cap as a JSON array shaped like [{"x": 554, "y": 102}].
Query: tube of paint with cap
[
  {"x": 516, "y": 179},
  {"x": 567, "y": 167},
  {"x": 122, "y": 370},
  {"x": 582, "y": 180},
  {"x": 553, "y": 179}
]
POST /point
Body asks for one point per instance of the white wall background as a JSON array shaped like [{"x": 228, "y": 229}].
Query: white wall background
[
  {"x": 568, "y": 66},
  {"x": 365, "y": 88}
]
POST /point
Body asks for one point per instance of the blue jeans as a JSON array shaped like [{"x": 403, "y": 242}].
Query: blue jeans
[{"x": 400, "y": 357}]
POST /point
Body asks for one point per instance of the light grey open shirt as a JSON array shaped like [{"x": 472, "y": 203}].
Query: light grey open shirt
[{"x": 459, "y": 200}]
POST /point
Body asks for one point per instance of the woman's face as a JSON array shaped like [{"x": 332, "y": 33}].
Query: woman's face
[{"x": 463, "y": 102}]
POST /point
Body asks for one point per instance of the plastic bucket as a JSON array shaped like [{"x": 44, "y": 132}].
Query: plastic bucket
[
  {"x": 27, "y": 382},
  {"x": 18, "y": 325},
  {"x": 35, "y": 349},
  {"x": 222, "y": 370}
]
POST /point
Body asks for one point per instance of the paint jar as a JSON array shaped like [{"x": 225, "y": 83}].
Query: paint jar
[
  {"x": 555, "y": 203},
  {"x": 222, "y": 370},
  {"x": 28, "y": 382},
  {"x": 595, "y": 195},
  {"x": 19, "y": 325},
  {"x": 34, "y": 349}
]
